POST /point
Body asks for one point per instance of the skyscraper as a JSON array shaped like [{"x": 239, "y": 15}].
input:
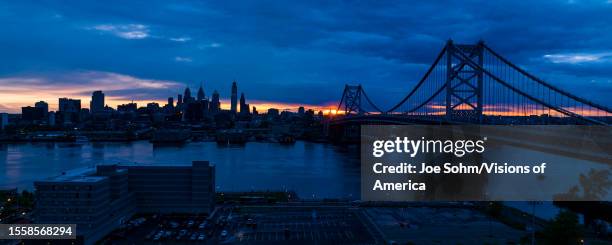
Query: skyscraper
[
  {"x": 201, "y": 94},
  {"x": 244, "y": 107},
  {"x": 97, "y": 102},
  {"x": 187, "y": 97},
  {"x": 43, "y": 106},
  {"x": 170, "y": 102},
  {"x": 69, "y": 105},
  {"x": 215, "y": 104},
  {"x": 69, "y": 110},
  {"x": 234, "y": 97},
  {"x": 179, "y": 100}
]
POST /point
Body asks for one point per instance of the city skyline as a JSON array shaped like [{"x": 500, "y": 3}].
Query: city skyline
[
  {"x": 287, "y": 56},
  {"x": 113, "y": 102}
]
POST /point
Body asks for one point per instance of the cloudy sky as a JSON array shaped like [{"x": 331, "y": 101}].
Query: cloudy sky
[{"x": 285, "y": 53}]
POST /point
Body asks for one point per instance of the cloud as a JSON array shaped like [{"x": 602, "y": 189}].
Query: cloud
[
  {"x": 129, "y": 31},
  {"x": 210, "y": 45},
  {"x": 578, "y": 58},
  {"x": 182, "y": 59},
  {"x": 276, "y": 48},
  {"x": 17, "y": 91},
  {"x": 180, "y": 39}
]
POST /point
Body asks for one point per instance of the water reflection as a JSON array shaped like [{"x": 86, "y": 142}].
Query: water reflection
[{"x": 310, "y": 169}]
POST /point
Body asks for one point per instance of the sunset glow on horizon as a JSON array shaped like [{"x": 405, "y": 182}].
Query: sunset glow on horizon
[
  {"x": 17, "y": 92},
  {"x": 13, "y": 103}
]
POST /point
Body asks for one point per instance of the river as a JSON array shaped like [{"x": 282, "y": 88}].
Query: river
[{"x": 312, "y": 170}]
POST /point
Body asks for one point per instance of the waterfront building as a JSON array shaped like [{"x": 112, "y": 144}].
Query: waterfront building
[
  {"x": 234, "y": 99},
  {"x": 97, "y": 102},
  {"x": 193, "y": 112},
  {"x": 51, "y": 118},
  {"x": 3, "y": 120},
  {"x": 43, "y": 106},
  {"x": 101, "y": 199},
  {"x": 69, "y": 110},
  {"x": 32, "y": 114},
  {"x": 69, "y": 105}
]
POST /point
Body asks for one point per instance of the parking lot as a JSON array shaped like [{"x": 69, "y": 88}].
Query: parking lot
[
  {"x": 248, "y": 225},
  {"x": 162, "y": 229},
  {"x": 299, "y": 225},
  {"x": 429, "y": 225}
]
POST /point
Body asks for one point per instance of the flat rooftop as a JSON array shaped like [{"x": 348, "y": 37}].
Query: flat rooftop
[
  {"x": 85, "y": 174},
  {"x": 88, "y": 174}
]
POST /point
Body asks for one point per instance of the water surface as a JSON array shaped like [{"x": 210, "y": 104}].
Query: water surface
[{"x": 311, "y": 169}]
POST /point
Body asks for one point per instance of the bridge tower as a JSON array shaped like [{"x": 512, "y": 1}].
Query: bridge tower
[
  {"x": 351, "y": 97},
  {"x": 464, "y": 82}
]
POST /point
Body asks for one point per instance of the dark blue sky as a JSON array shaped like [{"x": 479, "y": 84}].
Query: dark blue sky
[{"x": 285, "y": 51}]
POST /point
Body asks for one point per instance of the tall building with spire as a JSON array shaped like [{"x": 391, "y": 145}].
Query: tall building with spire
[
  {"x": 234, "y": 106},
  {"x": 187, "y": 96},
  {"x": 215, "y": 104},
  {"x": 201, "y": 95}
]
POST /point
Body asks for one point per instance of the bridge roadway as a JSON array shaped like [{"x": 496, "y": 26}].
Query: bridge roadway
[
  {"x": 590, "y": 143},
  {"x": 391, "y": 119}
]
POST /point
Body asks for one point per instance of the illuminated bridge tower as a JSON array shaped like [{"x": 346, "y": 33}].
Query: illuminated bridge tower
[{"x": 464, "y": 82}]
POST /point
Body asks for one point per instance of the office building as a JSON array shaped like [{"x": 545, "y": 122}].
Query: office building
[
  {"x": 170, "y": 102},
  {"x": 273, "y": 112},
  {"x": 99, "y": 200},
  {"x": 69, "y": 105},
  {"x": 152, "y": 107},
  {"x": 51, "y": 118},
  {"x": 97, "y": 102},
  {"x": 32, "y": 114},
  {"x": 215, "y": 103},
  {"x": 244, "y": 107},
  {"x": 43, "y": 106},
  {"x": 129, "y": 107},
  {"x": 179, "y": 100},
  {"x": 234, "y": 99},
  {"x": 201, "y": 95},
  {"x": 69, "y": 110},
  {"x": 193, "y": 112},
  {"x": 187, "y": 96},
  {"x": 3, "y": 120}
]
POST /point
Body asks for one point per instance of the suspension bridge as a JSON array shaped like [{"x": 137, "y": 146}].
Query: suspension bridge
[
  {"x": 468, "y": 84},
  {"x": 473, "y": 84}
]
